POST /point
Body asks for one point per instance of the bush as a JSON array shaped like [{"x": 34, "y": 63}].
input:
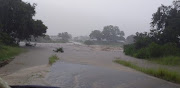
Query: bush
[
  {"x": 155, "y": 50},
  {"x": 129, "y": 49},
  {"x": 88, "y": 42},
  {"x": 170, "y": 49},
  {"x": 6, "y": 52},
  {"x": 6, "y": 39},
  {"x": 142, "y": 53},
  {"x": 53, "y": 59}
]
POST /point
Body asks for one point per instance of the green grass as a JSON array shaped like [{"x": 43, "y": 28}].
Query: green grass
[
  {"x": 167, "y": 60},
  {"x": 7, "y": 52},
  {"x": 160, "y": 73},
  {"x": 53, "y": 59}
]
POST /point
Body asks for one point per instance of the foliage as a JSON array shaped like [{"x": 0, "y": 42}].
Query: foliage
[
  {"x": 65, "y": 36},
  {"x": 153, "y": 50},
  {"x": 110, "y": 33},
  {"x": 167, "y": 60},
  {"x": 166, "y": 24},
  {"x": 6, "y": 39},
  {"x": 142, "y": 40},
  {"x": 6, "y": 52},
  {"x": 88, "y": 42},
  {"x": 130, "y": 39},
  {"x": 129, "y": 49},
  {"x": 61, "y": 50},
  {"x": 96, "y": 34},
  {"x": 53, "y": 59},
  {"x": 41, "y": 39},
  {"x": 16, "y": 20},
  {"x": 164, "y": 37},
  {"x": 160, "y": 73}
]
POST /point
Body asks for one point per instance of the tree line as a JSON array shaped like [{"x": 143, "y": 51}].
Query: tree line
[
  {"x": 110, "y": 33},
  {"x": 164, "y": 36},
  {"x": 17, "y": 23}
]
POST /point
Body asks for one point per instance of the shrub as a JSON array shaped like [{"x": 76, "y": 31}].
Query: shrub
[
  {"x": 6, "y": 39},
  {"x": 155, "y": 50},
  {"x": 170, "y": 49},
  {"x": 53, "y": 59},
  {"x": 142, "y": 53},
  {"x": 129, "y": 49},
  {"x": 88, "y": 42}
]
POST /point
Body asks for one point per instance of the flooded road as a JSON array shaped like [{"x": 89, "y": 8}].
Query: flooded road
[
  {"x": 86, "y": 67},
  {"x": 68, "y": 75},
  {"x": 80, "y": 66}
]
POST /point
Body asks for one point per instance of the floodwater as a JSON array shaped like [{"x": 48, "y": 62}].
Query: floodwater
[
  {"x": 86, "y": 67},
  {"x": 80, "y": 66},
  {"x": 68, "y": 75}
]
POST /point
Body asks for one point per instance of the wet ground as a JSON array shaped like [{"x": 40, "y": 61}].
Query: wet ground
[{"x": 80, "y": 67}]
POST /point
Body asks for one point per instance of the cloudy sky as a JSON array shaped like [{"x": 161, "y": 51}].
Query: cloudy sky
[{"x": 80, "y": 17}]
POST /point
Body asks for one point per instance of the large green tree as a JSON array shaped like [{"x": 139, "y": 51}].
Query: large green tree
[
  {"x": 166, "y": 24},
  {"x": 16, "y": 19}
]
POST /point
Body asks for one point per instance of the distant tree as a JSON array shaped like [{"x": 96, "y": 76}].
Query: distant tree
[
  {"x": 112, "y": 33},
  {"x": 65, "y": 36},
  {"x": 96, "y": 34},
  {"x": 166, "y": 24},
  {"x": 130, "y": 39}
]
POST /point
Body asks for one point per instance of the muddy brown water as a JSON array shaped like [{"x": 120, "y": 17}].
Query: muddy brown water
[{"x": 84, "y": 67}]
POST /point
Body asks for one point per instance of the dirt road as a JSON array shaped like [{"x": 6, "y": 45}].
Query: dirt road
[{"x": 80, "y": 67}]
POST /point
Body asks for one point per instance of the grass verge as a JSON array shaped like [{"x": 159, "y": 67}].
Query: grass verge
[
  {"x": 160, "y": 73},
  {"x": 7, "y": 52},
  {"x": 53, "y": 59},
  {"x": 167, "y": 60}
]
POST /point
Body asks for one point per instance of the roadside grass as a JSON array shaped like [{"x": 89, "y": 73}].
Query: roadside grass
[
  {"x": 167, "y": 60},
  {"x": 160, "y": 73},
  {"x": 53, "y": 59},
  {"x": 7, "y": 52}
]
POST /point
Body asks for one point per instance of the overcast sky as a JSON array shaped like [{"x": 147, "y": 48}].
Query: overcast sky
[{"x": 80, "y": 17}]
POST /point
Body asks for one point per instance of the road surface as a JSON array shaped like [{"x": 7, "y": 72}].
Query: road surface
[{"x": 80, "y": 67}]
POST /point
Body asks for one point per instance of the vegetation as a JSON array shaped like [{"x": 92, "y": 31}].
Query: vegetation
[
  {"x": 162, "y": 42},
  {"x": 160, "y": 73},
  {"x": 53, "y": 59},
  {"x": 61, "y": 50},
  {"x": 130, "y": 39},
  {"x": 65, "y": 37},
  {"x": 110, "y": 34},
  {"x": 168, "y": 60},
  {"x": 17, "y": 23},
  {"x": 7, "y": 52},
  {"x": 153, "y": 50}
]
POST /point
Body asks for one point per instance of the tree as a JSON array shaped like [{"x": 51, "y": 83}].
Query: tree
[
  {"x": 166, "y": 24},
  {"x": 130, "y": 39},
  {"x": 65, "y": 36},
  {"x": 16, "y": 19},
  {"x": 96, "y": 34},
  {"x": 112, "y": 33}
]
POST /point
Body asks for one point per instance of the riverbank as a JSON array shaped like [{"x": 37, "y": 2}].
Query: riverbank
[{"x": 7, "y": 54}]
